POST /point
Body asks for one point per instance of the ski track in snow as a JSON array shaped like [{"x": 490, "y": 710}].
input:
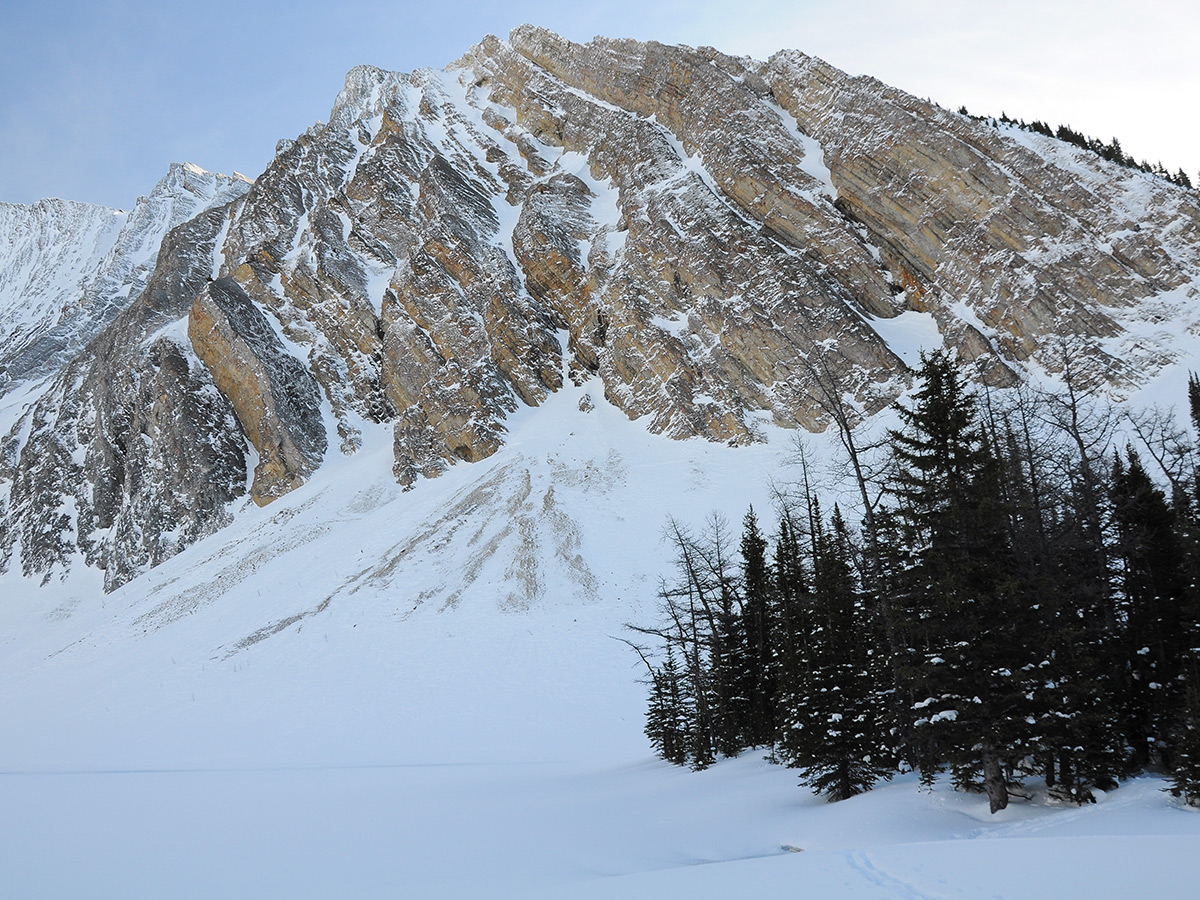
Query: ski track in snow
[{"x": 899, "y": 889}]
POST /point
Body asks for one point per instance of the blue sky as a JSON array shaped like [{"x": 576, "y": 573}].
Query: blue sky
[{"x": 97, "y": 99}]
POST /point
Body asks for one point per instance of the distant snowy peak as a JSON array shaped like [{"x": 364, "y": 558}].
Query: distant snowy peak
[
  {"x": 185, "y": 191},
  {"x": 67, "y": 269},
  {"x": 48, "y": 252}
]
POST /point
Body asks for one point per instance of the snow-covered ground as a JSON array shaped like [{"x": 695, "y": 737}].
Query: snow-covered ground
[
  {"x": 365, "y": 692},
  {"x": 630, "y": 829}
]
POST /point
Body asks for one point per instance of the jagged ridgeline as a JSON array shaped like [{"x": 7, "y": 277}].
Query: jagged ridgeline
[{"x": 716, "y": 241}]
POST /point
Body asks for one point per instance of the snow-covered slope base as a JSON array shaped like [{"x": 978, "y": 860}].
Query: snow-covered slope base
[{"x": 365, "y": 692}]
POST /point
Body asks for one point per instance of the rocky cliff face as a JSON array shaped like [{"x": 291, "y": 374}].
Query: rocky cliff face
[
  {"x": 131, "y": 453},
  {"x": 715, "y": 242},
  {"x": 1009, "y": 236},
  {"x": 274, "y": 397}
]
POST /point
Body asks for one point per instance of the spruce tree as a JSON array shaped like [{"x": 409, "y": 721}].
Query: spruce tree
[
  {"x": 1150, "y": 557},
  {"x": 833, "y": 726},
  {"x": 1194, "y": 400},
  {"x": 966, "y": 660},
  {"x": 790, "y": 623},
  {"x": 1083, "y": 673},
  {"x": 1061, "y": 569},
  {"x": 758, "y": 681},
  {"x": 1185, "y": 739},
  {"x": 666, "y": 715},
  {"x": 730, "y": 672},
  {"x": 1185, "y": 767}
]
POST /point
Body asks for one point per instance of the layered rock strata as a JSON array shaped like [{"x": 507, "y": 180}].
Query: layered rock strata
[
  {"x": 1005, "y": 234},
  {"x": 276, "y": 400},
  {"x": 716, "y": 242}
]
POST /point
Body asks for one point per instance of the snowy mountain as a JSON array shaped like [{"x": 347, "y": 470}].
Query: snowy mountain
[
  {"x": 51, "y": 250},
  {"x": 69, "y": 268},
  {"x": 324, "y": 500},
  {"x": 716, "y": 243}
]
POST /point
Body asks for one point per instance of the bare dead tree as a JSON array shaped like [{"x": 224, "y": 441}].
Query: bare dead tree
[{"x": 830, "y": 395}]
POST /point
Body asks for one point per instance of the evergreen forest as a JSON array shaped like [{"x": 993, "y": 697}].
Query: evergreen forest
[{"x": 1018, "y": 602}]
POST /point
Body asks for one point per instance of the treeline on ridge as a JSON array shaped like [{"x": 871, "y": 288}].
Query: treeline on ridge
[
  {"x": 1020, "y": 600},
  {"x": 1111, "y": 151}
]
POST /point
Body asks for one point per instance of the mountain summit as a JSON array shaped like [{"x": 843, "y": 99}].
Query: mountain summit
[{"x": 717, "y": 244}]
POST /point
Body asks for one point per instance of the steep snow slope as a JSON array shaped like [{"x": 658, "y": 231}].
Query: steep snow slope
[
  {"x": 561, "y": 526},
  {"x": 362, "y": 691}
]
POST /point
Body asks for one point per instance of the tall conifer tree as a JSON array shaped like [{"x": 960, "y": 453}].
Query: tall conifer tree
[
  {"x": 833, "y": 724},
  {"x": 757, "y": 602},
  {"x": 965, "y": 655}
]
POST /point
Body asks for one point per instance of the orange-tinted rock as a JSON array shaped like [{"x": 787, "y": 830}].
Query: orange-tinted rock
[{"x": 274, "y": 397}]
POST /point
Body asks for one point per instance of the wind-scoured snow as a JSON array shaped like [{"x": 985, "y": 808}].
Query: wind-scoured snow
[
  {"x": 908, "y": 335},
  {"x": 812, "y": 161},
  {"x": 48, "y": 252}
]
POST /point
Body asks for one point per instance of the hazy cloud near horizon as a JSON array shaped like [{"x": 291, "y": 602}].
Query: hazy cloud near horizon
[{"x": 101, "y": 98}]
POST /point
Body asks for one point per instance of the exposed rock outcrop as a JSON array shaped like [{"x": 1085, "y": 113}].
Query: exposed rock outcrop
[
  {"x": 716, "y": 242},
  {"x": 1010, "y": 235},
  {"x": 274, "y": 397},
  {"x": 131, "y": 454}
]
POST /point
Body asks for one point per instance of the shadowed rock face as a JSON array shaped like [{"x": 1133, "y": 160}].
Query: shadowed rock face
[
  {"x": 274, "y": 397},
  {"x": 714, "y": 241}
]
